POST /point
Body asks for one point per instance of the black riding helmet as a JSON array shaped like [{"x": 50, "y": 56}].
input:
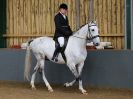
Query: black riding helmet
[{"x": 63, "y": 6}]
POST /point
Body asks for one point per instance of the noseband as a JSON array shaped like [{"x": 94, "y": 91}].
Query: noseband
[
  {"x": 90, "y": 36},
  {"x": 93, "y": 37}
]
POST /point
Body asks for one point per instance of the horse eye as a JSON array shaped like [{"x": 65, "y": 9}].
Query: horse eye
[{"x": 93, "y": 30}]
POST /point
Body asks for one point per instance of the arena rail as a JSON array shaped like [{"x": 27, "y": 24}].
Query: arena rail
[{"x": 103, "y": 68}]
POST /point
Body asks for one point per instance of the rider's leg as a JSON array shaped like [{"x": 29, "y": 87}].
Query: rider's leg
[
  {"x": 58, "y": 48},
  {"x": 61, "y": 41}
]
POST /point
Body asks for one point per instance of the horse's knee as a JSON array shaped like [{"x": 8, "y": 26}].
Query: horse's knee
[
  {"x": 41, "y": 64},
  {"x": 36, "y": 68},
  {"x": 73, "y": 70},
  {"x": 78, "y": 78},
  {"x": 41, "y": 67}
]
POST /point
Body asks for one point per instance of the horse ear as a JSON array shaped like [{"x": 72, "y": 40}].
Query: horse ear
[
  {"x": 90, "y": 23},
  {"x": 94, "y": 22}
]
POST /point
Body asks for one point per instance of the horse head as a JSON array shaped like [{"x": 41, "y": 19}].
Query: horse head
[{"x": 93, "y": 34}]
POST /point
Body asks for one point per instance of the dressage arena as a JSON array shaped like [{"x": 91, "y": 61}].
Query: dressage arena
[
  {"x": 110, "y": 79},
  {"x": 107, "y": 74},
  {"x": 13, "y": 90}
]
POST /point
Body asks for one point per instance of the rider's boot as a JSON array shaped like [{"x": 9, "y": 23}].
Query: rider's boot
[{"x": 56, "y": 53}]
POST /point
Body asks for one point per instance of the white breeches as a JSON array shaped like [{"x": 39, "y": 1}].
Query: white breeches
[{"x": 61, "y": 41}]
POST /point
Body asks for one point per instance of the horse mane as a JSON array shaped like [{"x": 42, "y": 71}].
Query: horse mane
[
  {"x": 92, "y": 22},
  {"x": 81, "y": 27}
]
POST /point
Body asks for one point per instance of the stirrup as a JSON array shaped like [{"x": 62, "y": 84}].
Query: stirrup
[
  {"x": 56, "y": 59},
  {"x": 53, "y": 58}
]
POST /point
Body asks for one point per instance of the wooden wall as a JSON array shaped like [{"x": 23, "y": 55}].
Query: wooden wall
[
  {"x": 110, "y": 17},
  {"x": 28, "y": 19}
]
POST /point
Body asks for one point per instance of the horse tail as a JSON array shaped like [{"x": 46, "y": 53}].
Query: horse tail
[{"x": 27, "y": 61}]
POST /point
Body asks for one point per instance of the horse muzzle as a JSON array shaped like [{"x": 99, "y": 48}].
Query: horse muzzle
[{"x": 96, "y": 44}]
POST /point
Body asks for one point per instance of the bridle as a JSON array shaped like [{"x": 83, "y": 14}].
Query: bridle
[{"x": 89, "y": 32}]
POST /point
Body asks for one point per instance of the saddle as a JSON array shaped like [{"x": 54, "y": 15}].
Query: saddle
[{"x": 62, "y": 49}]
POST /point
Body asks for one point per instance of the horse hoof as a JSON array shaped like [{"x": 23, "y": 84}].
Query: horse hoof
[
  {"x": 33, "y": 88},
  {"x": 66, "y": 84},
  {"x": 50, "y": 90},
  {"x": 84, "y": 92}
]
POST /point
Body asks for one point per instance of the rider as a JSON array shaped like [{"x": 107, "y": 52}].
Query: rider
[{"x": 62, "y": 29}]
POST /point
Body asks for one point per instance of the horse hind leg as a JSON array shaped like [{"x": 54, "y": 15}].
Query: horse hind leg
[
  {"x": 46, "y": 82},
  {"x": 42, "y": 63},
  {"x": 34, "y": 76}
]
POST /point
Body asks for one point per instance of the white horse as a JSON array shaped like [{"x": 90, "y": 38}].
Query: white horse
[{"x": 75, "y": 52}]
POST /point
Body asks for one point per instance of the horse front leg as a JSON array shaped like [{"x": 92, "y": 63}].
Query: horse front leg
[
  {"x": 79, "y": 68},
  {"x": 74, "y": 71},
  {"x": 69, "y": 84}
]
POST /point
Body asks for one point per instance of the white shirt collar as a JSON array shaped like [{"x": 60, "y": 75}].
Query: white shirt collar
[{"x": 63, "y": 15}]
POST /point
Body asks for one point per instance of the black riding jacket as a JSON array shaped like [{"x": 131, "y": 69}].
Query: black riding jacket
[{"x": 62, "y": 28}]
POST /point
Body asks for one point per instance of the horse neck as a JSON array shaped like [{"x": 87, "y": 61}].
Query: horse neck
[
  {"x": 82, "y": 32},
  {"x": 80, "y": 36}
]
